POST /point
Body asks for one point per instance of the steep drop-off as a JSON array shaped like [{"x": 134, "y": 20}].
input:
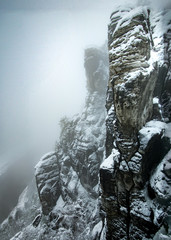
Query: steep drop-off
[
  {"x": 135, "y": 179},
  {"x": 66, "y": 205}
]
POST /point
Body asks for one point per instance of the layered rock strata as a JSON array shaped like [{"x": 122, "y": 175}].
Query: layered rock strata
[
  {"x": 135, "y": 205},
  {"x": 136, "y": 173}
]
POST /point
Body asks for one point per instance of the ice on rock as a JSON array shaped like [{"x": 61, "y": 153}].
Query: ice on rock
[{"x": 156, "y": 100}]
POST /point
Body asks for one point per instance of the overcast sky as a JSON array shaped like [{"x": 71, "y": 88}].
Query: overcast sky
[{"x": 42, "y": 76}]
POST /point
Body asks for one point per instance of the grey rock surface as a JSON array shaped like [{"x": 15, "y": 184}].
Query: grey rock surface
[
  {"x": 66, "y": 203},
  {"x": 135, "y": 205}
]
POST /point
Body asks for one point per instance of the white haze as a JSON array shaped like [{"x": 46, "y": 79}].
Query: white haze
[{"x": 42, "y": 75}]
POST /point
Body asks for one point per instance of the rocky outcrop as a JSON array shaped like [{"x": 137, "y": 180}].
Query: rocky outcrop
[
  {"x": 69, "y": 195},
  {"x": 67, "y": 179},
  {"x": 135, "y": 176},
  {"x": 48, "y": 181},
  {"x": 135, "y": 146}
]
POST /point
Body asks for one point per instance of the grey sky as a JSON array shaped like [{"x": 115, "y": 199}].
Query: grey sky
[
  {"x": 42, "y": 75},
  {"x": 55, "y": 4}
]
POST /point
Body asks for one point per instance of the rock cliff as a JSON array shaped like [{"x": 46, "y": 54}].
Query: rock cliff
[
  {"x": 135, "y": 179},
  {"x": 132, "y": 151},
  {"x": 66, "y": 204}
]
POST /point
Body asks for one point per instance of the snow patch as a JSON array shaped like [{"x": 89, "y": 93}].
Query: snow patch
[
  {"x": 97, "y": 229},
  {"x": 124, "y": 166},
  {"x": 127, "y": 18},
  {"x": 73, "y": 182},
  {"x": 158, "y": 180},
  {"x": 155, "y": 100},
  {"x": 140, "y": 209},
  {"x": 59, "y": 204},
  {"x": 46, "y": 160},
  {"x": 149, "y": 130},
  {"x": 108, "y": 163}
]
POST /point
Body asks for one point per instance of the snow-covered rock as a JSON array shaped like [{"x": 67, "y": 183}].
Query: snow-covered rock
[
  {"x": 67, "y": 179},
  {"x": 135, "y": 174},
  {"x": 48, "y": 181},
  {"x": 136, "y": 187}
]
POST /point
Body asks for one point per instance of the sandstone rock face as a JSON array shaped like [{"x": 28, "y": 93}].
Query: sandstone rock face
[
  {"x": 135, "y": 176},
  {"x": 67, "y": 179},
  {"x": 135, "y": 146},
  {"x": 131, "y": 75},
  {"x": 48, "y": 181}
]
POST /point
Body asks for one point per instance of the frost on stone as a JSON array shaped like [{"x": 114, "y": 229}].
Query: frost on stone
[
  {"x": 28, "y": 207},
  {"x": 136, "y": 82},
  {"x": 72, "y": 185},
  {"x": 140, "y": 208},
  {"x": 45, "y": 161},
  {"x": 109, "y": 162},
  {"x": 59, "y": 204},
  {"x": 67, "y": 179},
  {"x": 160, "y": 185},
  {"x": 155, "y": 100},
  {"x": 97, "y": 230},
  {"x": 160, "y": 180},
  {"x": 129, "y": 14},
  {"x": 124, "y": 166},
  {"x": 160, "y": 24},
  {"x": 135, "y": 163},
  {"x": 151, "y": 129}
]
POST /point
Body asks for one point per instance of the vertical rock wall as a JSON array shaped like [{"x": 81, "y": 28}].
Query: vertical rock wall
[{"x": 132, "y": 151}]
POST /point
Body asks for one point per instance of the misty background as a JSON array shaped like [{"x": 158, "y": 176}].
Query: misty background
[
  {"x": 41, "y": 67},
  {"x": 42, "y": 75},
  {"x": 42, "y": 78}
]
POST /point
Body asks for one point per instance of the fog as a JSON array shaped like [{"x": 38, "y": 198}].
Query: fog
[
  {"x": 42, "y": 79},
  {"x": 42, "y": 76}
]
